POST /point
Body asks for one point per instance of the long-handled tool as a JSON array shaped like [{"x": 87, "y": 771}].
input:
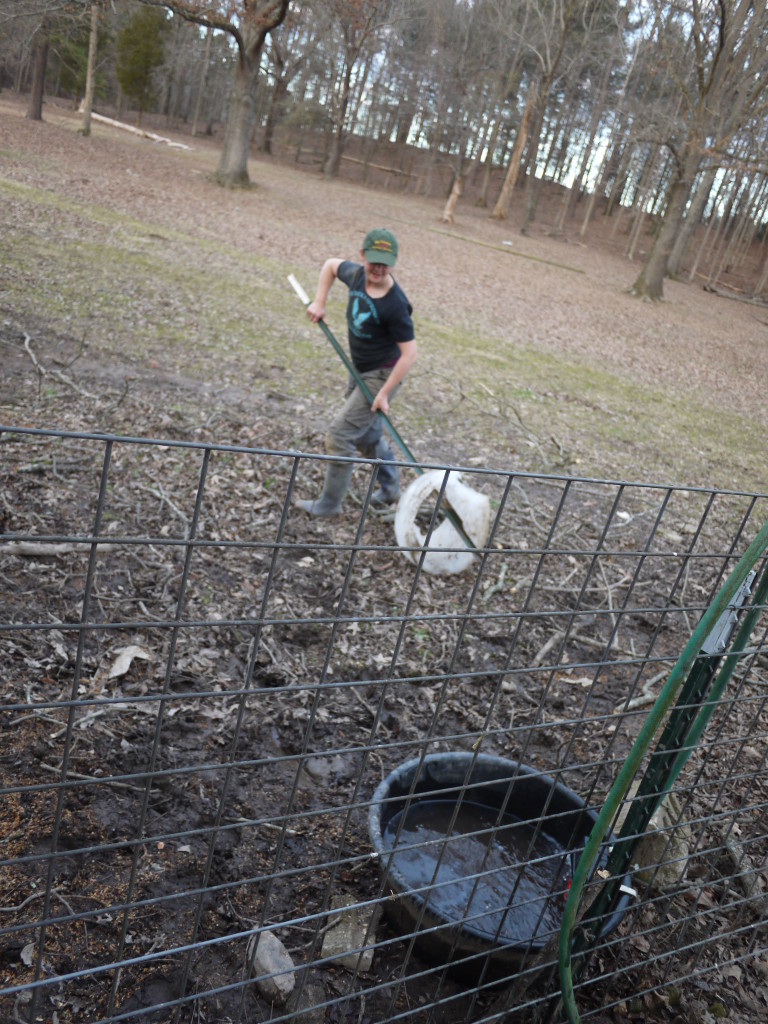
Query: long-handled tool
[{"x": 450, "y": 514}]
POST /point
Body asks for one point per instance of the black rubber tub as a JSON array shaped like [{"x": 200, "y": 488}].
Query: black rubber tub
[{"x": 477, "y": 853}]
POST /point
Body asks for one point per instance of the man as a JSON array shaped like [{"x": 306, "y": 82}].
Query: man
[{"x": 383, "y": 350}]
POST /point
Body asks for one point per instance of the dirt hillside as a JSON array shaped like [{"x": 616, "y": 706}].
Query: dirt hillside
[{"x": 556, "y": 309}]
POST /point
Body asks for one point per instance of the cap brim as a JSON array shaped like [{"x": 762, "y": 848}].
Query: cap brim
[{"x": 377, "y": 256}]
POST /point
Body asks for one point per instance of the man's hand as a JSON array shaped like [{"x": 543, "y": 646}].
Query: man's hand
[
  {"x": 380, "y": 403},
  {"x": 316, "y": 311}
]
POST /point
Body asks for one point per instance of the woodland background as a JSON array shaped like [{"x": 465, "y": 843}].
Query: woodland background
[{"x": 650, "y": 112}]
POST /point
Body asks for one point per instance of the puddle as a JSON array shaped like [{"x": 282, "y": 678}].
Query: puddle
[{"x": 481, "y": 869}]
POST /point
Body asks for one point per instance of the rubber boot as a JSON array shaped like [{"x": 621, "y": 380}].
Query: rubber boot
[
  {"x": 337, "y": 477},
  {"x": 387, "y": 477}
]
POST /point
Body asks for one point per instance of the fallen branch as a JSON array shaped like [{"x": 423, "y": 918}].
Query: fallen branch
[
  {"x": 138, "y": 131},
  {"x": 378, "y": 167},
  {"x": 33, "y": 549},
  {"x": 53, "y": 373},
  {"x": 738, "y": 294},
  {"x": 646, "y": 697},
  {"x": 497, "y": 586}
]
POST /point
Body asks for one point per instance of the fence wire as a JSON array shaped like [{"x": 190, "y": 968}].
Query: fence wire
[{"x": 210, "y": 703}]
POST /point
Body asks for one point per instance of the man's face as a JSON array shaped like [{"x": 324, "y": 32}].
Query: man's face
[{"x": 375, "y": 272}]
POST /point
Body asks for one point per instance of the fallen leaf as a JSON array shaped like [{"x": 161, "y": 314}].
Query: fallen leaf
[{"x": 125, "y": 658}]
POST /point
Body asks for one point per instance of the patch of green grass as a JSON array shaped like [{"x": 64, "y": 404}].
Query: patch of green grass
[
  {"x": 586, "y": 417},
  {"x": 142, "y": 291}
]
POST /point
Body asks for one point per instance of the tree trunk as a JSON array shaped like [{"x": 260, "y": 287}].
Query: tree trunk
[
  {"x": 232, "y": 170},
  {"x": 233, "y": 162},
  {"x": 640, "y": 201},
  {"x": 763, "y": 280},
  {"x": 90, "y": 75},
  {"x": 332, "y": 161},
  {"x": 279, "y": 93},
  {"x": 39, "y": 62},
  {"x": 501, "y": 209},
  {"x": 336, "y": 148},
  {"x": 692, "y": 219},
  {"x": 532, "y": 182},
  {"x": 482, "y": 199},
  {"x": 203, "y": 78},
  {"x": 453, "y": 198},
  {"x": 650, "y": 283},
  {"x": 579, "y": 182}
]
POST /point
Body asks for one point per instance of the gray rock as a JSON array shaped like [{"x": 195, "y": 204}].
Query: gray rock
[
  {"x": 660, "y": 858},
  {"x": 352, "y": 929},
  {"x": 272, "y": 967},
  {"x": 328, "y": 769}
]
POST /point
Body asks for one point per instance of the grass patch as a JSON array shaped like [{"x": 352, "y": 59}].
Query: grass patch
[{"x": 144, "y": 292}]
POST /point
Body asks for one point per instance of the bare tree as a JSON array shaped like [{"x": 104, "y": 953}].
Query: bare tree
[
  {"x": 39, "y": 63},
  {"x": 247, "y": 22},
  {"x": 90, "y": 75},
  {"x": 722, "y": 89},
  {"x": 353, "y": 23},
  {"x": 501, "y": 209}
]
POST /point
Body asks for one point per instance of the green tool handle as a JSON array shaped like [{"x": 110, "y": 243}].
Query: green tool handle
[
  {"x": 449, "y": 513},
  {"x": 355, "y": 375}
]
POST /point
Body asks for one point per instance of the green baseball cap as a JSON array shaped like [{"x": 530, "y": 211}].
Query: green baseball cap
[{"x": 380, "y": 246}]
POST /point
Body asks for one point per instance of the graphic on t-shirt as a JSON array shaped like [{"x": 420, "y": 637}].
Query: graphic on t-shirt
[{"x": 361, "y": 312}]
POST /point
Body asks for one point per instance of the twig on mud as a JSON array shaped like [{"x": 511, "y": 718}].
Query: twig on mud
[
  {"x": 371, "y": 711},
  {"x": 609, "y": 588},
  {"x": 82, "y": 722},
  {"x": 93, "y": 778},
  {"x": 20, "y": 906},
  {"x": 502, "y": 412},
  {"x": 39, "y": 895},
  {"x": 681, "y": 599},
  {"x": 361, "y": 700},
  {"x": 316, "y": 933},
  {"x": 34, "y": 714},
  {"x": 556, "y": 637},
  {"x": 122, "y": 396},
  {"x": 746, "y": 877},
  {"x": 495, "y": 587},
  {"x": 53, "y": 373},
  {"x": 158, "y": 492},
  {"x": 577, "y": 638},
  {"x": 78, "y": 355},
  {"x": 646, "y": 697}
]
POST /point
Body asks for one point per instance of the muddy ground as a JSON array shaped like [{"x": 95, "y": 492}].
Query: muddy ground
[{"x": 223, "y": 749}]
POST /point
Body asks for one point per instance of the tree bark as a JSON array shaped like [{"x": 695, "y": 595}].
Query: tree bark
[
  {"x": 692, "y": 219},
  {"x": 336, "y": 147},
  {"x": 650, "y": 282},
  {"x": 482, "y": 199},
  {"x": 453, "y": 198},
  {"x": 90, "y": 75},
  {"x": 501, "y": 209},
  {"x": 39, "y": 63},
  {"x": 531, "y": 182},
  {"x": 232, "y": 169},
  {"x": 203, "y": 79},
  {"x": 250, "y": 31},
  {"x": 279, "y": 93}
]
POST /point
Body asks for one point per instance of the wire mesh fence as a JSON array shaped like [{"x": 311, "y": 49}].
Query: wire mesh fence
[{"x": 257, "y": 766}]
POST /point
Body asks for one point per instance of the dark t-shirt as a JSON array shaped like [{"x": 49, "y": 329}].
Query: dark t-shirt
[{"x": 375, "y": 326}]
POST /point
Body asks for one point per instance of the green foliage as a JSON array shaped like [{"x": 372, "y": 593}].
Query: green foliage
[
  {"x": 71, "y": 50},
  {"x": 69, "y": 57},
  {"x": 140, "y": 52}
]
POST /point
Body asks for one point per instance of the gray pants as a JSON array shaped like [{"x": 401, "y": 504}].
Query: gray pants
[{"x": 356, "y": 428}]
